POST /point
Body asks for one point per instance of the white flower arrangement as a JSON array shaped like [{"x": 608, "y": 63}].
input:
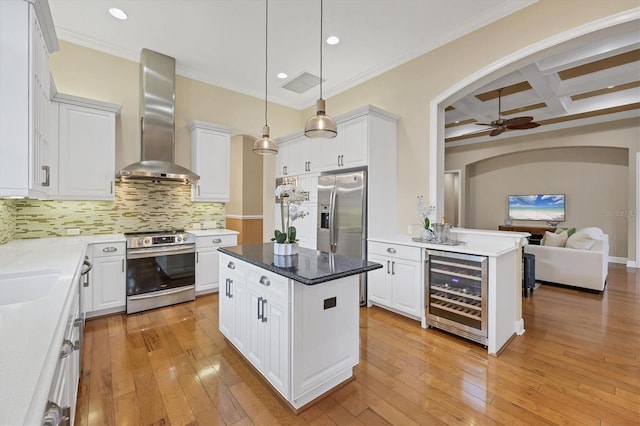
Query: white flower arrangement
[
  {"x": 291, "y": 196},
  {"x": 424, "y": 212}
]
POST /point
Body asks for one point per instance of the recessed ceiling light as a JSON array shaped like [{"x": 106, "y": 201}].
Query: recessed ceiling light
[
  {"x": 118, "y": 13},
  {"x": 456, "y": 122},
  {"x": 282, "y": 75},
  {"x": 333, "y": 40}
]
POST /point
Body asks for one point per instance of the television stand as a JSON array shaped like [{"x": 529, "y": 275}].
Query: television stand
[{"x": 537, "y": 232}]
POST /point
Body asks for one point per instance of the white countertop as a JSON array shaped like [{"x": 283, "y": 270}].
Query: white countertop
[
  {"x": 211, "y": 232},
  {"x": 31, "y": 332},
  {"x": 476, "y": 242}
]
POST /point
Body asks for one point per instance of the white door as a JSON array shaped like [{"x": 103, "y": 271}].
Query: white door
[
  {"x": 256, "y": 330},
  {"x": 276, "y": 368},
  {"x": 379, "y": 281},
  {"x": 226, "y": 308},
  {"x": 207, "y": 269},
  {"x": 406, "y": 286},
  {"x": 108, "y": 282}
]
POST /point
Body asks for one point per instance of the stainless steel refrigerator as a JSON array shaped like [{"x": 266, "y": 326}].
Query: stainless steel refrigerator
[{"x": 342, "y": 217}]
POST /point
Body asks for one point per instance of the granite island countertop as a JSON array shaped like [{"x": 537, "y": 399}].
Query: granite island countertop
[{"x": 308, "y": 267}]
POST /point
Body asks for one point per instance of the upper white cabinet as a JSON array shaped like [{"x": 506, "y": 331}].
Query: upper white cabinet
[
  {"x": 86, "y": 148},
  {"x": 367, "y": 137},
  {"x": 27, "y": 37},
  {"x": 210, "y": 157}
]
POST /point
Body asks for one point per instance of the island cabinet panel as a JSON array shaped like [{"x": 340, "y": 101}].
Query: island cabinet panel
[
  {"x": 268, "y": 326},
  {"x": 325, "y": 335},
  {"x": 231, "y": 303}
]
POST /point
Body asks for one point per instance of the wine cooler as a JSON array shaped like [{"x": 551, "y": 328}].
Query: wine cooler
[{"x": 456, "y": 293}]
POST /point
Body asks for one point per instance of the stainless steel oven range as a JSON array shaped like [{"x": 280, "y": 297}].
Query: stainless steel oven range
[{"x": 161, "y": 269}]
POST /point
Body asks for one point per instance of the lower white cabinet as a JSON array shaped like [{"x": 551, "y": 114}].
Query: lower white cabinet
[
  {"x": 232, "y": 318},
  {"x": 105, "y": 290},
  {"x": 207, "y": 260},
  {"x": 398, "y": 285}
]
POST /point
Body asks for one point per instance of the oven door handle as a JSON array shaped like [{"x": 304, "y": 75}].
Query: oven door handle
[
  {"x": 160, "y": 293},
  {"x": 164, "y": 251}
]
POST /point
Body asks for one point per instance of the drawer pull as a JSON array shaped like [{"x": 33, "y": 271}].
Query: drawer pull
[
  {"x": 109, "y": 249},
  {"x": 67, "y": 348},
  {"x": 231, "y": 265},
  {"x": 265, "y": 281},
  {"x": 391, "y": 250},
  {"x": 217, "y": 241}
]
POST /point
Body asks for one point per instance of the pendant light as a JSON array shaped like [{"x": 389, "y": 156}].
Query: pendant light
[
  {"x": 320, "y": 125},
  {"x": 265, "y": 145}
]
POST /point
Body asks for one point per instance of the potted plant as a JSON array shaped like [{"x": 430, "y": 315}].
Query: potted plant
[{"x": 291, "y": 196}]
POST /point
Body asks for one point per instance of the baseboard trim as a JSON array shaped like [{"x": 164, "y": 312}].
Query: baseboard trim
[
  {"x": 632, "y": 264},
  {"x": 621, "y": 260}
]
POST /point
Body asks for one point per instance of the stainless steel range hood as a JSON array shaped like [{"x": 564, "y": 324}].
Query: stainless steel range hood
[{"x": 157, "y": 123}]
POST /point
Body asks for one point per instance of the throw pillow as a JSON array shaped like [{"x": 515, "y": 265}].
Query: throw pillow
[
  {"x": 570, "y": 231},
  {"x": 585, "y": 238},
  {"x": 555, "y": 240}
]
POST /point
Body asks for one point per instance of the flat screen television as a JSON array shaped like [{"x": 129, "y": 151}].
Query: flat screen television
[{"x": 544, "y": 207}]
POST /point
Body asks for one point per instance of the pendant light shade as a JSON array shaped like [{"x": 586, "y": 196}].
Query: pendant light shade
[
  {"x": 265, "y": 145},
  {"x": 320, "y": 125}
]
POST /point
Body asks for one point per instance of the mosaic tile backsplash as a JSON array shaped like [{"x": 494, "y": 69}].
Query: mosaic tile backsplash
[
  {"x": 7, "y": 220},
  {"x": 138, "y": 206}
]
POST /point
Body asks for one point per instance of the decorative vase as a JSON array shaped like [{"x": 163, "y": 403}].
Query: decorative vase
[
  {"x": 283, "y": 261},
  {"x": 285, "y": 249},
  {"x": 426, "y": 234}
]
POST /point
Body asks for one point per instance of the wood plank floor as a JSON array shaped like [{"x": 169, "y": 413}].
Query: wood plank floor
[{"x": 577, "y": 363}]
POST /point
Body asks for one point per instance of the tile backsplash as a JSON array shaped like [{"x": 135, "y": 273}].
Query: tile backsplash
[{"x": 138, "y": 206}]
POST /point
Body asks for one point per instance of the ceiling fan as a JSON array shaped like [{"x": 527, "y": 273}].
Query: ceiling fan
[{"x": 515, "y": 123}]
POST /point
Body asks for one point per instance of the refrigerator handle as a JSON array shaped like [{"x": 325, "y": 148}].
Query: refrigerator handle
[{"x": 332, "y": 221}]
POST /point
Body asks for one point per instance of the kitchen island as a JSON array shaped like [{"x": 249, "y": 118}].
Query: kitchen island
[{"x": 294, "y": 318}]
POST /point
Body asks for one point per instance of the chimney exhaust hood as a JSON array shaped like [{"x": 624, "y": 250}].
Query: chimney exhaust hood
[{"x": 157, "y": 124}]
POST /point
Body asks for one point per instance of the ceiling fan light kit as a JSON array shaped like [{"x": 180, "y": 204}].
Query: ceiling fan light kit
[
  {"x": 515, "y": 123},
  {"x": 265, "y": 145},
  {"x": 321, "y": 125}
]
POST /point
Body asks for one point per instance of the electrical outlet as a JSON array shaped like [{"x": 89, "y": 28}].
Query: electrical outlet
[
  {"x": 210, "y": 224},
  {"x": 73, "y": 231},
  {"x": 196, "y": 226}
]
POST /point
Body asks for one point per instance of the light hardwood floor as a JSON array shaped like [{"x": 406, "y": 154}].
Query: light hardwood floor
[{"x": 577, "y": 363}]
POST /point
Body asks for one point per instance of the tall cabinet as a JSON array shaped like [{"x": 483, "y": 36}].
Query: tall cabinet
[
  {"x": 367, "y": 137},
  {"x": 27, "y": 37}
]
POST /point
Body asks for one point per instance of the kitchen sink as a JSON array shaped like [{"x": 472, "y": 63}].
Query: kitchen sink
[{"x": 27, "y": 286}]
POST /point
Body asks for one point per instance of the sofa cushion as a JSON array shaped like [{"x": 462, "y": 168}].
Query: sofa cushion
[
  {"x": 585, "y": 238},
  {"x": 555, "y": 240}
]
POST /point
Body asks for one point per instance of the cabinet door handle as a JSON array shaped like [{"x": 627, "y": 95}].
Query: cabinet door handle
[
  {"x": 338, "y": 161},
  {"x": 122, "y": 265},
  {"x": 47, "y": 175},
  {"x": 216, "y": 241},
  {"x": 259, "y": 305},
  {"x": 388, "y": 263},
  {"x": 109, "y": 249},
  {"x": 230, "y": 288},
  {"x": 198, "y": 190},
  {"x": 111, "y": 187},
  {"x": 265, "y": 281},
  {"x": 197, "y": 258},
  {"x": 391, "y": 250},
  {"x": 393, "y": 267},
  {"x": 231, "y": 265},
  {"x": 264, "y": 307}
]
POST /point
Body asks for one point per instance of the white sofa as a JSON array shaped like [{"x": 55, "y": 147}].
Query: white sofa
[{"x": 581, "y": 268}]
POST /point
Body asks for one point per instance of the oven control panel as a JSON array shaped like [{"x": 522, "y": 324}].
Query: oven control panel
[{"x": 141, "y": 241}]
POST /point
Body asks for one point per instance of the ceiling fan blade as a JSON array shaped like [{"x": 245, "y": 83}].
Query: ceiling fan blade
[
  {"x": 497, "y": 131},
  {"x": 485, "y": 124},
  {"x": 530, "y": 125},
  {"x": 517, "y": 121}
]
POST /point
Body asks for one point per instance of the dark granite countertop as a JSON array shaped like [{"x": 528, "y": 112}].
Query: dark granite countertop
[{"x": 307, "y": 267}]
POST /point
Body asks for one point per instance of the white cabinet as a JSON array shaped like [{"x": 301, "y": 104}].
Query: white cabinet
[
  {"x": 87, "y": 149},
  {"x": 207, "y": 260},
  {"x": 267, "y": 344},
  {"x": 232, "y": 315},
  {"x": 105, "y": 291},
  {"x": 210, "y": 157},
  {"x": 352, "y": 142},
  {"x": 27, "y": 36},
  {"x": 398, "y": 285}
]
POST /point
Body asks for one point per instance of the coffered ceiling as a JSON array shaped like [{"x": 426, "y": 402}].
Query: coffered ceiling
[{"x": 592, "y": 79}]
